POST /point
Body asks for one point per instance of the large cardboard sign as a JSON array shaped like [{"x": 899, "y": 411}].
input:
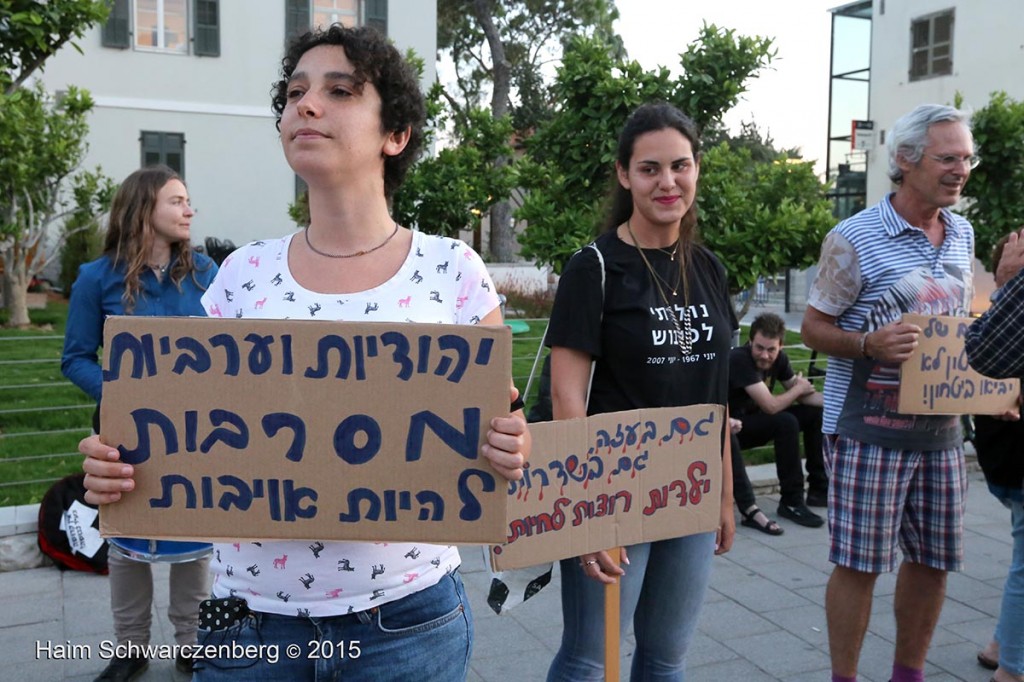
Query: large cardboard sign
[
  {"x": 265, "y": 429},
  {"x": 937, "y": 378},
  {"x": 612, "y": 480}
]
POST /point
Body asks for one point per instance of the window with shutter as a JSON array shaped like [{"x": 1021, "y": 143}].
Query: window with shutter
[
  {"x": 931, "y": 45},
  {"x": 165, "y": 148},
  {"x": 377, "y": 15},
  {"x": 296, "y": 18},
  {"x": 116, "y": 31},
  {"x": 303, "y": 15},
  {"x": 206, "y": 30},
  {"x": 161, "y": 25},
  {"x": 327, "y": 12}
]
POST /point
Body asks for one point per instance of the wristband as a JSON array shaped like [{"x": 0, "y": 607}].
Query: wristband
[
  {"x": 517, "y": 404},
  {"x": 864, "y": 346}
]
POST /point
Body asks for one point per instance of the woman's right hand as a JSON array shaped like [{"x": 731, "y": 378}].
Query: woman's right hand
[
  {"x": 106, "y": 477},
  {"x": 599, "y": 566}
]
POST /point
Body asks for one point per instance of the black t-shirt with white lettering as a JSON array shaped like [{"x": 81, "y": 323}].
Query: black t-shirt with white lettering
[{"x": 639, "y": 363}]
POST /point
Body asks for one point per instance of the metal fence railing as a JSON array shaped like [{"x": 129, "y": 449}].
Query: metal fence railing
[{"x": 43, "y": 415}]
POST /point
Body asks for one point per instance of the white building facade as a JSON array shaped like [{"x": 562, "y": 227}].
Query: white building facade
[
  {"x": 188, "y": 82},
  {"x": 930, "y": 50}
]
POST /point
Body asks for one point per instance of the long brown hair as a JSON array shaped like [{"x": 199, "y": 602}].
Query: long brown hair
[
  {"x": 130, "y": 235},
  {"x": 651, "y": 118}
]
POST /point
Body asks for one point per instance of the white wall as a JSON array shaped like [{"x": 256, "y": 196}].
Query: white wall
[
  {"x": 988, "y": 55},
  {"x": 236, "y": 173}
]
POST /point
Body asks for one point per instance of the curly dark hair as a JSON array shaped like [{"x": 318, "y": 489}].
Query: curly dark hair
[
  {"x": 376, "y": 60},
  {"x": 768, "y": 325}
]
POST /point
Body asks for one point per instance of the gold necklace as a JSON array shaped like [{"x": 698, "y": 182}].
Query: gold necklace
[
  {"x": 683, "y": 333},
  {"x": 675, "y": 250},
  {"x": 348, "y": 255}
]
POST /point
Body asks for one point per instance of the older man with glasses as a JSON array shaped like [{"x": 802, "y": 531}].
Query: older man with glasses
[{"x": 896, "y": 480}]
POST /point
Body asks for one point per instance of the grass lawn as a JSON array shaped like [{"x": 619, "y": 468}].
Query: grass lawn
[{"x": 43, "y": 416}]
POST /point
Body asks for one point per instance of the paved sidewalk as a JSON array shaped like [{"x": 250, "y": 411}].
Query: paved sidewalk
[{"x": 764, "y": 618}]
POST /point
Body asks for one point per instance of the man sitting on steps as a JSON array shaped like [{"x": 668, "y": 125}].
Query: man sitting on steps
[{"x": 753, "y": 370}]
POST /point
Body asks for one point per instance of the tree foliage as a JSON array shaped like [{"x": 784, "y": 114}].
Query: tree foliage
[
  {"x": 573, "y": 154},
  {"x": 500, "y": 49},
  {"x": 996, "y": 187},
  {"x": 31, "y": 31},
  {"x": 83, "y": 231},
  {"x": 451, "y": 191},
  {"x": 532, "y": 33},
  {"x": 42, "y": 139},
  {"x": 760, "y": 217}
]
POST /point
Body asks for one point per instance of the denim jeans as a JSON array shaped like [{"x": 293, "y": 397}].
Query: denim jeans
[
  {"x": 1010, "y": 628},
  {"x": 427, "y": 635},
  {"x": 661, "y": 594}
]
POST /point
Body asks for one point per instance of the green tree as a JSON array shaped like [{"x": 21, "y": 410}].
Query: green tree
[
  {"x": 448, "y": 192},
  {"x": 760, "y": 217},
  {"x": 83, "y": 232},
  {"x": 996, "y": 187},
  {"x": 499, "y": 49},
  {"x": 573, "y": 154},
  {"x": 42, "y": 140},
  {"x": 32, "y": 31}
]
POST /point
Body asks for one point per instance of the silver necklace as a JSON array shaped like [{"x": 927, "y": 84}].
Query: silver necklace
[
  {"x": 683, "y": 332},
  {"x": 348, "y": 255}
]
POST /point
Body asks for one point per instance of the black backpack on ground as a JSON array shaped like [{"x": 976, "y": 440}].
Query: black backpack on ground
[{"x": 53, "y": 541}]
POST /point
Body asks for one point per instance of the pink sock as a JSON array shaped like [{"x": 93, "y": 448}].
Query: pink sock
[
  {"x": 843, "y": 678},
  {"x": 902, "y": 673}
]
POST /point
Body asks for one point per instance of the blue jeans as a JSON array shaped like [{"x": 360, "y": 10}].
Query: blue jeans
[
  {"x": 427, "y": 635},
  {"x": 662, "y": 594},
  {"x": 1010, "y": 628}
]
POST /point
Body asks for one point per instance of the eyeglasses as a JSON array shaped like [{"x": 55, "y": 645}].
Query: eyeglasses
[{"x": 951, "y": 161}]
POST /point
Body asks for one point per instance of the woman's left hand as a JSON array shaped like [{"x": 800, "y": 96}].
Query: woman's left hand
[
  {"x": 727, "y": 527},
  {"x": 508, "y": 443}
]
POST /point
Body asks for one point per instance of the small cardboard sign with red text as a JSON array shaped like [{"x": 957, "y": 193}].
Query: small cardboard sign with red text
[
  {"x": 262, "y": 429},
  {"x": 937, "y": 378},
  {"x": 612, "y": 480}
]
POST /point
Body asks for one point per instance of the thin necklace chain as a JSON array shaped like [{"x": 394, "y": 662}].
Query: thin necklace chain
[
  {"x": 349, "y": 255},
  {"x": 683, "y": 332}
]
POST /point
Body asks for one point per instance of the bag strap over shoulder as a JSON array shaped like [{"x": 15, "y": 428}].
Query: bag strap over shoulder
[{"x": 540, "y": 347}]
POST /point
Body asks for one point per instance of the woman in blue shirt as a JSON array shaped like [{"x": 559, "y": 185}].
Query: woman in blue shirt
[{"x": 148, "y": 267}]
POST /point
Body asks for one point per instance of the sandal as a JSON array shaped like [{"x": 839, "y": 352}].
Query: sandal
[
  {"x": 750, "y": 521},
  {"x": 985, "y": 662}
]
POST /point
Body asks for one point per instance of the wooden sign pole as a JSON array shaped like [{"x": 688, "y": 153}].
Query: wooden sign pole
[{"x": 611, "y": 624}]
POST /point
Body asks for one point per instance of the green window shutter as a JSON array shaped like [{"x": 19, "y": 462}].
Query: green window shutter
[
  {"x": 206, "y": 30},
  {"x": 297, "y": 15},
  {"x": 174, "y": 152},
  {"x": 150, "y": 148},
  {"x": 377, "y": 15},
  {"x": 116, "y": 32},
  {"x": 165, "y": 148}
]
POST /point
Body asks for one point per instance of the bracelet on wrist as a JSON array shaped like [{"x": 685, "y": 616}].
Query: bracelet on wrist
[{"x": 864, "y": 346}]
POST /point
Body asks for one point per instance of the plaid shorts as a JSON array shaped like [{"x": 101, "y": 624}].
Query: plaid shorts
[{"x": 880, "y": 496}]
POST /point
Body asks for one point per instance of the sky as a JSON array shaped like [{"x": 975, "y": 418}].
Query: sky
[{"x": 789, "y": 100}]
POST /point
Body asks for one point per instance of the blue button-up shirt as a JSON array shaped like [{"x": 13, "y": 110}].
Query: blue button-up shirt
[{"x": 98, "y": 293}]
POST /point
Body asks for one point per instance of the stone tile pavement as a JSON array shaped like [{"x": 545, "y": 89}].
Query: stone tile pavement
[{"x": 764, "y": 618}]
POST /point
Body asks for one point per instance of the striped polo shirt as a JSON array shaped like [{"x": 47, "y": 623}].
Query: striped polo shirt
[{"x": 874, "y": 267}]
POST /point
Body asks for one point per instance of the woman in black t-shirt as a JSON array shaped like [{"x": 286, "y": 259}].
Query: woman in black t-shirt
[{"x": 659, "y": 335}]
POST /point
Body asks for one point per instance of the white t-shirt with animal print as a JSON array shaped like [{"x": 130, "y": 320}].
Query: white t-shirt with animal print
[{"x": 441, "y": 281}]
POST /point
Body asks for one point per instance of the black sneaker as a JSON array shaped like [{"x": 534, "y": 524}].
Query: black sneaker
[
  {"x": 123, "y": 669},
  {"x": 801, "y": 514},
  {"x": 817, "y": 498}
]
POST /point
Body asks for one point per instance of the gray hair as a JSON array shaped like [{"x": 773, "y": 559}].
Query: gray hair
[{"x": 910, "y": 134}]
